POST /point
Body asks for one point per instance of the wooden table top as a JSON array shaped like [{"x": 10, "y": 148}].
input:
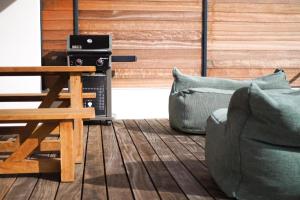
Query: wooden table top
[{"x": 30, "y": 70}]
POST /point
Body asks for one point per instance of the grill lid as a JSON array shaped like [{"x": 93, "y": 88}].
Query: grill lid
[{"x": 89, "y": 43}]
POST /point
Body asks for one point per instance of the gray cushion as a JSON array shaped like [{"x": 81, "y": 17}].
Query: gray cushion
[
  {"x": 273, "y": 81},
  {"x": 255, "y": 152},
  {"x": 193, "y": 99}
]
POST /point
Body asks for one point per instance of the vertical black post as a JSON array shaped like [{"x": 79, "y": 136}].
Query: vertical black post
[
  {"x": 204, "y": 37},
  {"x": 75, "y": 17}
]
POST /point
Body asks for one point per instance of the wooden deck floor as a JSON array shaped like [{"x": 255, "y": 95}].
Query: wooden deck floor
[{"x": 133, "y": 159}]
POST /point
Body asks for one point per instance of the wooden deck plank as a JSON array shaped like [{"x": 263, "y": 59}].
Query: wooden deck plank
[
  {"x": 117, "y": 182},
  {"x": 164, "y": 182},
  {"x": 132, "y": 159},
  {"x": 186, "y": 141},
  {"x": 94, "y": 186},
  {"x": 141, "y": 183},
  {"x": 73, "y": 190},
  {"x": 199, "y": 139},
  {"x": 196, "y": 168},
  {"x": 46, "y": 186},
  {"x": 6, "y": 183},
  {"x": 22, "y": 188},
  {"x": 192, "y": 188}
]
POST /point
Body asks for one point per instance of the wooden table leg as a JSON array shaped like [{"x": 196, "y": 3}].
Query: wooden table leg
[
  {"x": 67, "y": 152},
  {"x": 77, "y": 102}
]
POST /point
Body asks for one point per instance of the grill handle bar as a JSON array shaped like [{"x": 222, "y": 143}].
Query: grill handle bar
[{"x": 123, "y": 58}]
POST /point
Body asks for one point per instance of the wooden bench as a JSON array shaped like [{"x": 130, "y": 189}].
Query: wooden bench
[
  {"x": 66, "y": 120},
  {"x": 51, "y": 118},
  {"x": 45, "y": 146}
]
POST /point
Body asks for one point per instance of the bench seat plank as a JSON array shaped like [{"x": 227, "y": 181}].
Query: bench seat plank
[
  {"x": 39, "y": 97},
  {"x": 30, "y": 166},
  {"x": 15, "y": 130},
  {"x": 35, "y": 71},
  {"x": 45, "y": 114}
]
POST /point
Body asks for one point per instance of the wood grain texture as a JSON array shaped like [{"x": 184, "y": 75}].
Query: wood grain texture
[
  {"x": 248, "y": 39},
  {"x": 46, "y": 146},
  {"x": 73, "y": 190},
  {"x": 192, "y": 188},
  {"x": 94, "y": 186},
  {"x": 164, "y": 182},
  {"x": 183, "y": 151},
  {"x": 76, "y": 102},
  {"x": 45, "y": 114},
  {"x": 5, "y": 184},
  {"x": 141, "y": 183},
  {"x": 242, "y": 29},
  {"x": 167, "y": 158},
  {"x": 46, "y": 187},
  {"x": 67, "y": 152},
  {"x": 30, "y": 166},
  {"x": 118, "y": 186},
  {"x": 22, "y": 188},
  {"x": 164, "y": 26},
  {"x": 40, "y": 70}
]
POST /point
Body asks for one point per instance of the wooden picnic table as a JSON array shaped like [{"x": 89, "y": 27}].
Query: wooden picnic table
[{"x": 42, "y": 121}]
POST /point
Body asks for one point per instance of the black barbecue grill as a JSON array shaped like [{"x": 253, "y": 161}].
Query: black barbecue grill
[{"x": 95, "y": 50}]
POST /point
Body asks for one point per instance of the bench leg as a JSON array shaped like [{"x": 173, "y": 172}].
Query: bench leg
[
  {"x": 67, "y": 152},
  {"x": 78, "y": 137},
  {"x": 77, "y": 102}
]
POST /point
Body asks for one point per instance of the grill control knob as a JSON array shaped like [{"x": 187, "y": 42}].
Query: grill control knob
[
  {"x": 78, "y": 62},
  {"x": 100, "y": 62}
]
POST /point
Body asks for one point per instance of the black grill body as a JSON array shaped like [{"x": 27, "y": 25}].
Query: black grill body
[{"x": 94, "y": 50}]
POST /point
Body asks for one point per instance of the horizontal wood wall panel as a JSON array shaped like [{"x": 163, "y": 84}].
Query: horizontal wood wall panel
[
  {"x": 254, "y": 36},
  {"x": 250, "y": 7},
  {"x": 57, "y": 5},
  {"x": 253, "y": 17},
  {"x": 162, "y": 34},
  {"x": 250, "y": 38},
  {"x": 140, "y": 15},
  {"x": 246, "y": 38},
  {"x": 140, "y": 5},
  {"x": 57, "y": 25},
  {"x": 260, "y": 1},
  {"x": 90, "y": 25},
  {"x": 182, "y": 35},
  {"x": 121, "y": 44}
]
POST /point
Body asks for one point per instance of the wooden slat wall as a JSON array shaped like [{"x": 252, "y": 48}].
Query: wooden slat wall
[
  {"x": 161, "y": 33},
  {"x": 249, "y": 38},
  {"x": 57, "y": 24}
]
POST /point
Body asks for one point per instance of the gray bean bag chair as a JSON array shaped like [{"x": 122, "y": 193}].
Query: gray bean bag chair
[
  {"x": 253, "y": 150},
  {"x": 193, "y": 99}
]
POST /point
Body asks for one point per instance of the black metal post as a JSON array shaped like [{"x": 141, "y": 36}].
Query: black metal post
[
  {"x": 75, "y": 17},
  {"x": 204, "y": 37}
]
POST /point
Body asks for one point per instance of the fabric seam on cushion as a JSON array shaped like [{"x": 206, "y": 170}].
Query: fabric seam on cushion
[
  {"x": 184, "y": 113},
  {"x": 240, "y": 153}
]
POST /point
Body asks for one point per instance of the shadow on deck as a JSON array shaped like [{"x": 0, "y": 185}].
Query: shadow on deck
[{"x": 133, "y": 159}]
